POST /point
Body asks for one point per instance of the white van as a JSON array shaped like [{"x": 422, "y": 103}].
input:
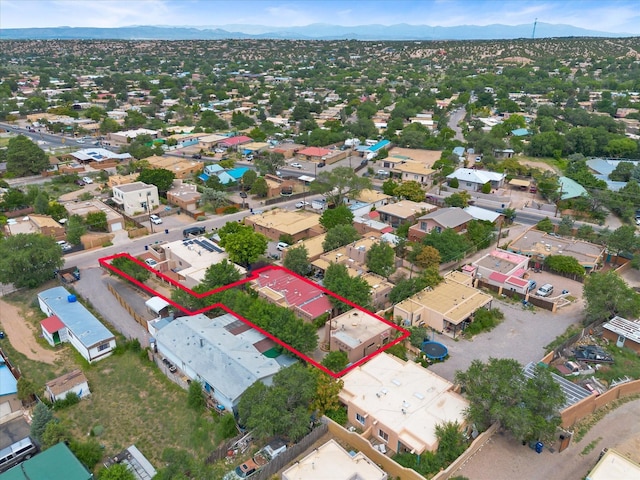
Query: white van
[{"x": 545, "y": 290}]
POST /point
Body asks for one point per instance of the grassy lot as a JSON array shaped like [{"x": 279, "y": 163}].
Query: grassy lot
[{"x": 131, "y": 399}]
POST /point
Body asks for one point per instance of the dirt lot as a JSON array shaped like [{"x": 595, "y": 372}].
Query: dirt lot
[{"x": 21, "y": 334}]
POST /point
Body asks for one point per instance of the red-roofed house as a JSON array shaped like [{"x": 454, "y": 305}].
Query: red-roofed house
[
  {"x": 54, "y": 330},
  {"x": 503, "y": 269},
  {"x": 313, "y": 154},
  {"x": 235, "y": 141},
  {"x": 287, "y": 290}
]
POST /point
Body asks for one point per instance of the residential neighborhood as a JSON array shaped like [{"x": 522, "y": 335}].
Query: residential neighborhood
[{"x": 267, "y": 258}]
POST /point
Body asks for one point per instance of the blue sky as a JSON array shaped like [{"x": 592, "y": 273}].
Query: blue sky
[{"x": 616, "y": 16}]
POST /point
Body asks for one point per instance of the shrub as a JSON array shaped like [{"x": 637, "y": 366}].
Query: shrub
[
  {"x": 71, "y": 399},
  {"x": 453, "y": 183}
]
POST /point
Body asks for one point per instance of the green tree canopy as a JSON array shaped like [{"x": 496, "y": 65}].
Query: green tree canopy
[
  {"x": 244, "y": 246},
  {"x": 269, "y": 163},
  {"x": 498, "y": 391},
  {"x": 97, "y": 221},
  {"x": 608, "y": 295},
  {"x": 118, "y": 471},
  {"x": 28, "y": 259},
  {"x": 131, "y": 268},
  {"x": 41, "y": 416},
  {"x": 219, "y": 275},
  {"x": 260, "y": 187},
  {"x": 24, "y": 157},
  {"x": 161, "y": 178},
  {"x": 354, "y": 289},
  {"x": 410, "y": 190},
  {"x": 381, "y": 259},
  {"x": 332, "y": 217},
  {"x": 335, "y": 361},
  {"x": 339, "y": 183},
  {"x": 297, "y": 260},
  {"x": 449, "y": 243},
  {"x": 339, "y": 236}
]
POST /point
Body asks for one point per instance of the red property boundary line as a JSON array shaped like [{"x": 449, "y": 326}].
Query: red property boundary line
[{"x": 105, "y": 263}]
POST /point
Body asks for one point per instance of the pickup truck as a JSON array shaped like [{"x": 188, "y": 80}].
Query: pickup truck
[{"x": 68, "y": 275}]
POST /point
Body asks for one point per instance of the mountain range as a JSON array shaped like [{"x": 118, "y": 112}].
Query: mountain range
[{"x": 309, "y": 32}]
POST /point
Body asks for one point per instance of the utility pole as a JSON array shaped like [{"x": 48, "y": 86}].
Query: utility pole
[{"x": 533, "y": 35}]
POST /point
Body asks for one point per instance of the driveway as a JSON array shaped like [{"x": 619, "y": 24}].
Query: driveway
[
  {"x": 522, "y": 335},
  {"x": 503, "y": 458}
]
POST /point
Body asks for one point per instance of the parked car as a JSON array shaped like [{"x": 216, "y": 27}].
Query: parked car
[
  {"x": 155, "y": 219},
  {"x": 80, "y": 182},
  {"x": 532, "y": 285},
  {"x": 87, "y": 180},
  {"x": 592, "y": 353},
  {"x": 64, "y": 245},
  {"x": 249, "y": 158},
  {"x": 296, "y": 165},
  {"x": 219, "y": 150},
  {"x": 282, "y": 245},
  {"x": 545, "y": 290},
  {"x": 321, "y": 164},
  {"x": 196, "y": 155},
  {"x": 301, "y": 204},
  {"x": 151, "y": 262},
  {"x": 383, "y": 172},
  {"x": 172, "y": 368}
]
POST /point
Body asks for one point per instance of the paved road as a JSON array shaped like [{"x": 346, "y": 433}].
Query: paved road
[{"x": 454, "y": 119}]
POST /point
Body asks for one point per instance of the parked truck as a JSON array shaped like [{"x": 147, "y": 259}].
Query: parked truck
[
  {"x": 68, "y": 275},
  {"x": 260, "y": 459}
]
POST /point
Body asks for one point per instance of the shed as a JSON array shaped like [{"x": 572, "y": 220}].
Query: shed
[
  {"x": 72, "y": 382},
  {"x": 625, "y": 333},
  {"x": 53, "y": 330},
  {"x": 158, "y": 305}
]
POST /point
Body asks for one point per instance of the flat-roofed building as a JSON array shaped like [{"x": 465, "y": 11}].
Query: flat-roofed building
[
  {"x": 181, "y": 167},
  {"x": 414, "y": 171},
  {"x": 614, "y": 466},
  {"x": 380, "y": 289},
  {"x": 115, "y": 180},
  {"x": 184, "y": 195},
  {"x": 331, "y": 461},
  {"x": 538, "y": 245},
  {"x": 33, "y": 223},
  {"x": 503, "y": 269},
  {"x": 313, "y": 246},
  {"x": 136, "y": 198},
  {"x": 357, "y": 333},
  {"x": 299, "y": 224},
  {"x": 115, "y": 221},
  {"x": 447, "y": 307},
  {"x": 395, "y": 214},
  {"x": 400, "y": 403}
]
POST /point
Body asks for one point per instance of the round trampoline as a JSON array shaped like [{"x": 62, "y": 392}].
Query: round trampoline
[{"x": 434, "y": 350}]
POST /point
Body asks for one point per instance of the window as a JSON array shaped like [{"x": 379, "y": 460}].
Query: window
[
  {"x": 102, "y": 347},
  {"x": 383, "y": 435},
  {"x": 360, "y": 418}
]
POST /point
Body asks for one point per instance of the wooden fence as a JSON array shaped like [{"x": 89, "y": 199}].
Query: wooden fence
[{"x": 138, "y": 318}]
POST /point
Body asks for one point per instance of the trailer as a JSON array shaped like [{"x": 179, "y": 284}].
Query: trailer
[{"x": 68, "y": 275}]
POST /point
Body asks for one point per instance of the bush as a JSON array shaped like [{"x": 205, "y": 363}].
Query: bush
[
  {"x": 195, "y": 399},
  {"x": 339, "y": 415},
  {"x": 71, "y": 399},
  {"x": 226, "y": 427},
  {"x": 484, "y": 320},
  {"x": 454, "y": 183}
]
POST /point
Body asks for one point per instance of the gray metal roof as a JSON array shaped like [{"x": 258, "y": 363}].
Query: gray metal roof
[
  {"x": 573, "y": 393},
  {"x": 449, "y": 217},
  {"x": 80, "y": 321},
  {"x": 229, "y": 363}
]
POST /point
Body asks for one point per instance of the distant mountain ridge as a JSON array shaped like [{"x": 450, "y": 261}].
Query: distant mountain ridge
[{"x": 309, "y": 32}]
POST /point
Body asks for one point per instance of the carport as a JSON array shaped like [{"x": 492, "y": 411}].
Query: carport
[{"x": 519, "y": 183}]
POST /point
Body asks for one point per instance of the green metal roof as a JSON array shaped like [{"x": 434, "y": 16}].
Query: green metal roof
[
  {"x": 571, "y": 188},
  {"x": 55, "y": 463}
]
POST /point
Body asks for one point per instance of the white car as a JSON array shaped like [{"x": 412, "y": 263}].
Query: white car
[
  {"x": 301, "y": 204},
  {"x": 64, "y": 246},
  {"x": 87, "y": 180},
  {"x": 296, "y": 165},
  {"x": 282, "y": 245},
  {"x": 383, "y": 172},
  {"x": 155, "y": 219},
  {"x": 151, "y": 262}
]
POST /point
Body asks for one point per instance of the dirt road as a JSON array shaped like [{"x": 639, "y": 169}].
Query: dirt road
[{"x": 22, "y": 335}]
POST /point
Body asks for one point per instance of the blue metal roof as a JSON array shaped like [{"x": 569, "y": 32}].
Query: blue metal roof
[
  {"x": 458, "y": 151},
  {"x": 381, "y": 144},
  {"x": 571, "y": 188},
  {"x": 237, "y": 173},
  {"x": 8, "y": 383},
  {"x": 520, "y": 132},
  {"x": 80, "y": 321},
  {"x": 204, "y": 177}
]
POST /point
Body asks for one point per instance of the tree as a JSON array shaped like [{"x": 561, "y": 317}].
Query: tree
[
  {"x": 333, "y": 217},
  {"x": 480, "y": 233},
  {"x": 498, "y": 391},
  {"x": 564, "y": 264},
  {"x": 339, "y": 236},
  {"x": 248, "y": 179},
  {"x": 75, "y": 229},
  {"x": 622, "y": 239},
  {"x": 195, "y": 397},
  {"x": 451, "y": 442},
  {"x": 28, "y": 259},
  {"x": 486, "y": 188},
  {"x": 381, "y": 259},
  {"x": 449, "y": 243},
  {"x": 54, "y": 433},
  {"x": 389, "y": 187},
  {"x": 269, "y": 163},
  {"x": 118, "y": 471},
  {"x": 327, "y": 391},
  {"x": 410, "y": 190},
  {"x": 219, "y": 275},
  {"x": 24, "y": 157},
  {"x": 131, "y": 268},
  {"x": 89, "y": 452},
  {"x": 41, "y": 203},
  {"x": 336, "y": 360},
  {"x": 425, "y": 256},
  {"x": 545, "y": 225},
  {"x": 608, "y": 295},
  {"x": 339, "y": 183},
  {"x": 260, "y": 187},
  {"x": 354, "y": 289},
  {"x": 245, "y": 246},
  {"x": 213, "y": 197},
  {"x": 161, "y": 178},
  {"x": 41, "y": 416},
  {"x": 26, "y": 389},
  {"x": 281, "y": 409},
  {"x": 297, "y": 260},
  {"x": 459, "y": 199},
  {"x": 97, "y": 221}
]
